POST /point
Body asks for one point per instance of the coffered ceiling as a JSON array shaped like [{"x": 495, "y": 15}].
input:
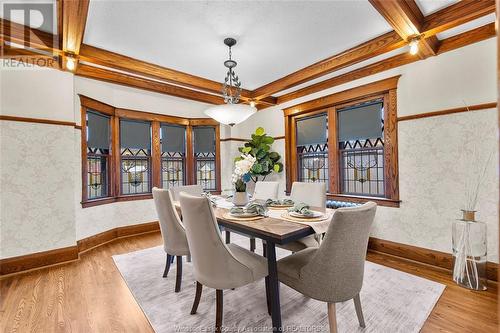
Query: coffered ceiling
[{"x": 274, "y": 37}]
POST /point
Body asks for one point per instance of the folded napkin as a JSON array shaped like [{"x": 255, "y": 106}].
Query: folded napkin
[
  {"x": 301, "y": 208},
  {"x": 279, "y": 202},
  {"x": 211, "y": 198},
  {"x": 251, "y": 208}
]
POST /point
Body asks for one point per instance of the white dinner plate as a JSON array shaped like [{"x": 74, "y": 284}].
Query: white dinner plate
[
  {"x": 244, "y": 214},
  {"x": 313, "y": 216}
]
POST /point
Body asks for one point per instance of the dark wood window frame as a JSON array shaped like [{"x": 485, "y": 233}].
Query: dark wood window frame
[
  {"x": 115, "y": 115},
  {"x": 384, "y": 89}
]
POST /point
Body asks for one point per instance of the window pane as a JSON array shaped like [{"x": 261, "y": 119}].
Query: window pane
[
  {"x": 97, "y": 130},
  {"x": 173, "y": 155},
  {"x": 312, "y": 149},
  {"x": 360, "y": 122},
  {"x": 204, "y": 155},
  {"x": 173, "y": 138},
  {"x": 135, "y": 134},
  {"x": 204, "y": 139},
  {"x": 361, "y": 148},
  {"x": 98, "y": 143},
  {"x": 311, "y": 131},
  {"x": 135, "y": 141}
]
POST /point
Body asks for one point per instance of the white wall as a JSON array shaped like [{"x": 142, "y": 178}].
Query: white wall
[
  {"x": 431, "y": 150},
  {"x": 36, "y": 176}
]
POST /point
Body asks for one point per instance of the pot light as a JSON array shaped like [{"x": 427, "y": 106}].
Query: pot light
[
  {"x": 414, "y": 46},
  {"x": 70, "y": 63}
]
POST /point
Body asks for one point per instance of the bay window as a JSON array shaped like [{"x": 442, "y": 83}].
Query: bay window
[{"x": 125, "y": 153}]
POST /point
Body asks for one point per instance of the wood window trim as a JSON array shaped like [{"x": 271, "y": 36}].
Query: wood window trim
[
  {"x": 386, "y": 89},
  {"x": 116, "y": 114}
]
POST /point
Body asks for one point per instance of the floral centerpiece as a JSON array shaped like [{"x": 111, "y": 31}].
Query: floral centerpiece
[{"x": 240, "y": 177}]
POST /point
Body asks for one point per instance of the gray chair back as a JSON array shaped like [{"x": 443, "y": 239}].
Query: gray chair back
[
  {"x": 172, "y": 231},
  {"x": 196, "y": 190},
  {"x": 214, "y": 264},
  {"x": 266, "y": 190},
  {"x": 338, "y": 265},
  {"x": 313, "y": 194}
]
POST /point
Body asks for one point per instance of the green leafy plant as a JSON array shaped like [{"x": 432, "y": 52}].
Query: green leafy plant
[{"x": 260, "y": 147}]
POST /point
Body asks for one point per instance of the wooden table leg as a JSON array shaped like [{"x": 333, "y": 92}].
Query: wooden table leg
[{"x": 274, "y": 290}]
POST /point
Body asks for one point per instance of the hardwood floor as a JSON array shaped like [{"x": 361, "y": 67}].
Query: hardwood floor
[{"x": 89, "y": 295}]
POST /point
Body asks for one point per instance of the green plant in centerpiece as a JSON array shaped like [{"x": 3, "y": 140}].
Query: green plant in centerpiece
[{"x": 267, "y": 161}]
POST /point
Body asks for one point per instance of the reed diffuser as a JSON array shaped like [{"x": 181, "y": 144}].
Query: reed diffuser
[{"x": 469, "y": 235}]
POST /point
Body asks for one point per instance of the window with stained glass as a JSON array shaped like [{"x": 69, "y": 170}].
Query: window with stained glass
[
  {"x": 204, "y": 157},
  {"x": 135, "y": 151},
  {"x": 173, "y": 155},
  {"x": 98, "y": 154},
  {"x": 361, "y": 148},
  {"x": 312, "y": 149}
]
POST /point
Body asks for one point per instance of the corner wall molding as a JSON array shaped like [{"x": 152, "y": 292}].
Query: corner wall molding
[
  {"x": 40, "y": 121},
  {"x": 470, "y": 108}
]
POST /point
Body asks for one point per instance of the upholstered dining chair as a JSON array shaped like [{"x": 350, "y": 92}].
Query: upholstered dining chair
[
  {"x": 313, "y": 194},
  {"x": 172, "y": 231},
  {"x": 216, "y": 264},
  {"x": 265, "y": 190},
  {"x": 196, "y": 190},
  {"x": 333, "y": 272}
]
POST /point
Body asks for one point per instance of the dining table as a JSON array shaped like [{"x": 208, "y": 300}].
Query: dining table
[{"x": 273, "y": 230}]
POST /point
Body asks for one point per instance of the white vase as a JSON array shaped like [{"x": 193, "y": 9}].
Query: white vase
[{"x": 240, "y": 198}]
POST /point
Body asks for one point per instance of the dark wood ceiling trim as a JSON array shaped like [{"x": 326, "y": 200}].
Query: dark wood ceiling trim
[
  {"x": 467, "y": 38},
  {"x": 364, "y": 51},
  {"x": 407, "y": 20},
  {"x": 456, "y": 14},
  {"x": 344, "y": 96},
  {"x": 142, "y": 83},
  {"x": 448, "y": 44},
  {"x": 74, "y": 17},
  {"x": 113, "y": 60},
  {"x": 17, "y": 33}
]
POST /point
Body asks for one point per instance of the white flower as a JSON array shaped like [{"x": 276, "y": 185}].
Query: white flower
[{"x": 242, "y": 167}]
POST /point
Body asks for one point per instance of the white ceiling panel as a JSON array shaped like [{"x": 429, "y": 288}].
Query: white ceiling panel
[
  {"x": 431, "y": 6},
  {"x": 275, "y": 38}
]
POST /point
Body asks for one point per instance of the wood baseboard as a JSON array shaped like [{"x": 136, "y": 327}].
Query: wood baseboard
[
  {"x": 37, "y": 260},
  {"x": 422, "y": 255},
  {"x": 43, "y": 259}
]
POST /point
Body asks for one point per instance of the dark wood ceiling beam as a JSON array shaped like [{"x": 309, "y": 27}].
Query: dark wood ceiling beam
[
  {"x": 19, "y": 34},
  {"x": 407, "y": 20},
  {"x": 380, "y": 45},
  {"x": 448, "y": 44},
  {"x": 117, "y": 61},
  {"x": 73, "y": 17},
  {"x": 455, "y": 15},
  {"x": 146, "y": 84}
]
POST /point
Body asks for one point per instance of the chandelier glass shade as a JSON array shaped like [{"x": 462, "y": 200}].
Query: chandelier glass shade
[{"x": 231, "y": 113}]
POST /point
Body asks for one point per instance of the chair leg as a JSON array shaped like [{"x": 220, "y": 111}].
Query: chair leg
[
  {"x": 167, "y": 265},
  {"x": 252, "y": 244},
  {"x": 332, "y": 317},
  {"x": 264, "y": 249},
  {"x": 218, "y": 311},
  {"x": 228, "y": 237},
  {"x": 359, "y": 310},
  {"x": 199, "y": 288},
  {"x": 178, "y": 278},
  {"x": 268, "y": 295}
]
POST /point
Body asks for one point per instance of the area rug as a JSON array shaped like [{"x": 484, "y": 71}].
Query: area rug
[{"x": 392, "y": 301}]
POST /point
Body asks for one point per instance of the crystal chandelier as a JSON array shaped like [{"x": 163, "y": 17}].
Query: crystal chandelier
[{"x": 231, "y": 113}]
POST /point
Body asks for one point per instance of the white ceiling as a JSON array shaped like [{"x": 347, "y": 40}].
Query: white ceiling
[
  {"x": 275, "y": 38},
  {"x": 430, "y": 6}
]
